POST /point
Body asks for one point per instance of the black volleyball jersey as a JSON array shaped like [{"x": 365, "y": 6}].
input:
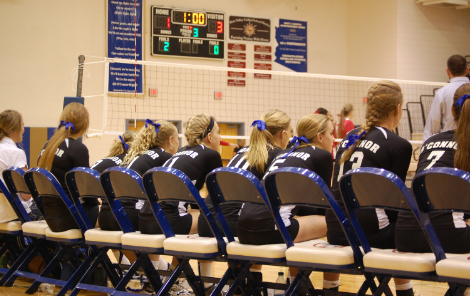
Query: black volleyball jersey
[
  {"x": 382, "y": 149},
  {"x": 151, "y": 158},
  {"x": 195, "y": 162},
  {"x": 108, "y": 162},
  {"x": 70, "y": 154},
  {"x": 437, "y": 151},
  {"x": 257, "y": 217}
]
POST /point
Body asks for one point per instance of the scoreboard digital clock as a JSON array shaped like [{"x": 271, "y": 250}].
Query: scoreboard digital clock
[{"x": 187, "y": 33}]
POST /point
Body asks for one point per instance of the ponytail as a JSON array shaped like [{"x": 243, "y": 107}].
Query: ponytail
[
  {"x": 76, "y": 121},
  {"x": 344, "y": 112},
  {"x": 118, "y": 146},
  {"x": 262, "y": 137},
  {"x": 462, "y": 132},
  {"x": 382, "y": 99}
]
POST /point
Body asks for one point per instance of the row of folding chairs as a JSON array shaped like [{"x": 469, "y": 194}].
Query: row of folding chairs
[{"x": 361, "y": 188}]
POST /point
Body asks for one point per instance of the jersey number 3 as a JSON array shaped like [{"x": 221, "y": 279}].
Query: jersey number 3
[{"x": 356, "y": 159}]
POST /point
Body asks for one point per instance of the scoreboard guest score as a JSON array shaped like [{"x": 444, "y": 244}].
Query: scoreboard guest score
[{"x": 187, "y": 33}]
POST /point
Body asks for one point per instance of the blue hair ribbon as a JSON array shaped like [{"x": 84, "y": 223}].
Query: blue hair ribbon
[
  {"x": 352, "y": 139},
  {"x": 67, "y": 125},
  {"x": 461, "y": 100},
  {"x": 124, "y": 143},
  {"x": 156, "y": 125},
  {"x": 297, "y": 141},
  {"x": 260, "y": 125}
]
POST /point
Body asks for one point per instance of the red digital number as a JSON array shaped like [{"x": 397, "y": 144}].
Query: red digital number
[
  {"x": 220, "y": 27},
  {"x": 168, "y": 22}
]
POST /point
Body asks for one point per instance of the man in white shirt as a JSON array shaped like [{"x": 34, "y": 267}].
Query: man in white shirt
[{"x": 440, "y": 117}]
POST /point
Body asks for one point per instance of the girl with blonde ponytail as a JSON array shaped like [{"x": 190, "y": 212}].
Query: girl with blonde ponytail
[
  {"x": 445, "y": 149},
  {"x": 374, "y": 145},
  {"x": 61, "y": 154}
]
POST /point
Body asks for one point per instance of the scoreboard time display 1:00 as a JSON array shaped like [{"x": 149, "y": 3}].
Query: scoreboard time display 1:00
[{"x": 187, "y": 33}]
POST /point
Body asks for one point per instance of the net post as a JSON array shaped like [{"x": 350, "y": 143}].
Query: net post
[{"x": 81, "y": 60}]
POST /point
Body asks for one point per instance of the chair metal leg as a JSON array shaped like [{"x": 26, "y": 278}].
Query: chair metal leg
[
  {"x": 121, "y": 285},
  {"x": 383, "y": 286},
  {"x": 220, "y": 285},
  {"x": 79, "y": 272},
  {"x": 23, "y": 260},
  {"x": 194, "y": 281},
  {"x": 35, "y": 285},
  {"x": 152, "y": 275}
]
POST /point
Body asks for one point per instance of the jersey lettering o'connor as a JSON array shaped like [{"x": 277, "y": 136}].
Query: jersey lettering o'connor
[{"x": 363, "y": 144}]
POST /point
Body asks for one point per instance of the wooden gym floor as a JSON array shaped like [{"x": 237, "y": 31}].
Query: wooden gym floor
[{"x": 348, "y": 283}]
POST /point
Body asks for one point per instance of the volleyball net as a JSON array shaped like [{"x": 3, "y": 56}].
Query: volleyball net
[{"x": 234, "y": 96}]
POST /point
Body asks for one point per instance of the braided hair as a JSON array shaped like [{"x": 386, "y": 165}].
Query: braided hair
[{"x": 382, "y": 99}]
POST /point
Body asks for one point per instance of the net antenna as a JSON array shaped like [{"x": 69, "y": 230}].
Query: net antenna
[{"x": 81, "y": 61}]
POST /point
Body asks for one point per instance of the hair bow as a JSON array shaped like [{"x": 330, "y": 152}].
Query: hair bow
[
  {"x": 260, "y": 125},
  {"x": 67, "y": 125},
  {"x": 297, "y": 141},
  {"x": 124, "y": 143},
  {"x": 352, "y": 139},
  {"x": 461, "y": 100},
  {"x": 157, "y": 125}
]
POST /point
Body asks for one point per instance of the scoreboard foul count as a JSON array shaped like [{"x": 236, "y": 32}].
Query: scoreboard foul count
[{"x": 187, "y": 33}]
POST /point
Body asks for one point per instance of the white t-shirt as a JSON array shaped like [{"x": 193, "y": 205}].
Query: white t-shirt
[{"x": 10, "y": 155}]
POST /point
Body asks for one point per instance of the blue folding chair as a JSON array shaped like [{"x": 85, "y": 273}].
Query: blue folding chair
[
  {"x": 440, "y": 190},
  {"x": 84, "y": 183},
  {"x": 42, "y": 183},
  {"x": 316, "y": 255},
  {"x": 238, "y": 185},
  {"x": 34, "y": 229},
  {"x": 125, "y": 184},
  {"x": 378, "y": 188},
  {"x": 169, "y": 184}
]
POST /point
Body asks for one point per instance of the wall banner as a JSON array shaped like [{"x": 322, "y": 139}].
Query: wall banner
[
  {"x": 291, "y": 50},
  {"x": 124, "y": 34}
]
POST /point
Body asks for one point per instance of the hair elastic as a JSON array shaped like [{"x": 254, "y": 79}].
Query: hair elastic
[
  {"x": 67, "y": 125},
  {"x": 461, "y": 100},
  {"x": 150, "y": 122},
  {"x": 260, "y": 125},
  {"x": 208, "y": 129},
  {"x": 352, "y": 139},
  {"x": 297, "y": 141},
  {"x": 126, "y": 147}
]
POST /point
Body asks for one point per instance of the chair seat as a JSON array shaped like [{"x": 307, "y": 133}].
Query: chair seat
[
  {"x": 103, "y": 237},
  {"x": 12, "y": 227},
  {"x": 265, "y": 253},
  {"x": 71, "y": 236},
  {"x": 388, "y": 259},
  {"x": 35, "y": 228},
  {"x": 454, "y": 267},
  {"x": 191, "y": 246},
  {"x": 152, "y": 243},
  {"x": 319, "y": 253}
]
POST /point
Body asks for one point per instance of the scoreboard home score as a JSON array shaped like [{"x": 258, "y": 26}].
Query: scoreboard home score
[{"x": 187, "y": 33}]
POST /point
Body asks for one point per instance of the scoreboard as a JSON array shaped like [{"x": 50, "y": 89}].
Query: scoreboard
[{"x": 187, "y": 33}]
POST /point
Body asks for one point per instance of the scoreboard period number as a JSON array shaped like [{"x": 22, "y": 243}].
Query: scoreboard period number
[{"x": 186, "y": 33}]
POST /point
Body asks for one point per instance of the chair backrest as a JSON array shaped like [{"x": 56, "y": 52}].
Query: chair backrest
[
  {"x": 122, "y": 184},
  {"x": 442, "y": 190},
  {"x": 299, "y": 186},
  {"x": 404, "y": 127},
  {"x": 169, "y": 184},
  {"x": 233, "y": 184},
  {"x": 426, "y": 102},
  {"x": 374, "y": 188},
  {"x": 15, "y": 204},
  {"x": 416, "y": 113},
  {"x": 42, "y": 183},
  {"x": 84, "y": 183},
  {"x": 14, "y": 181}
]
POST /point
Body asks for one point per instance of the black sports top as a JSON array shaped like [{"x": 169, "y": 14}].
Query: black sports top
[
  {"x": 258, "y": 217},
  {"x": 104, "y": 164},
  {"x": 437, "y": 151},
  {"x": 380, "y": 148},
  {"x": 196, "y": 162}
]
